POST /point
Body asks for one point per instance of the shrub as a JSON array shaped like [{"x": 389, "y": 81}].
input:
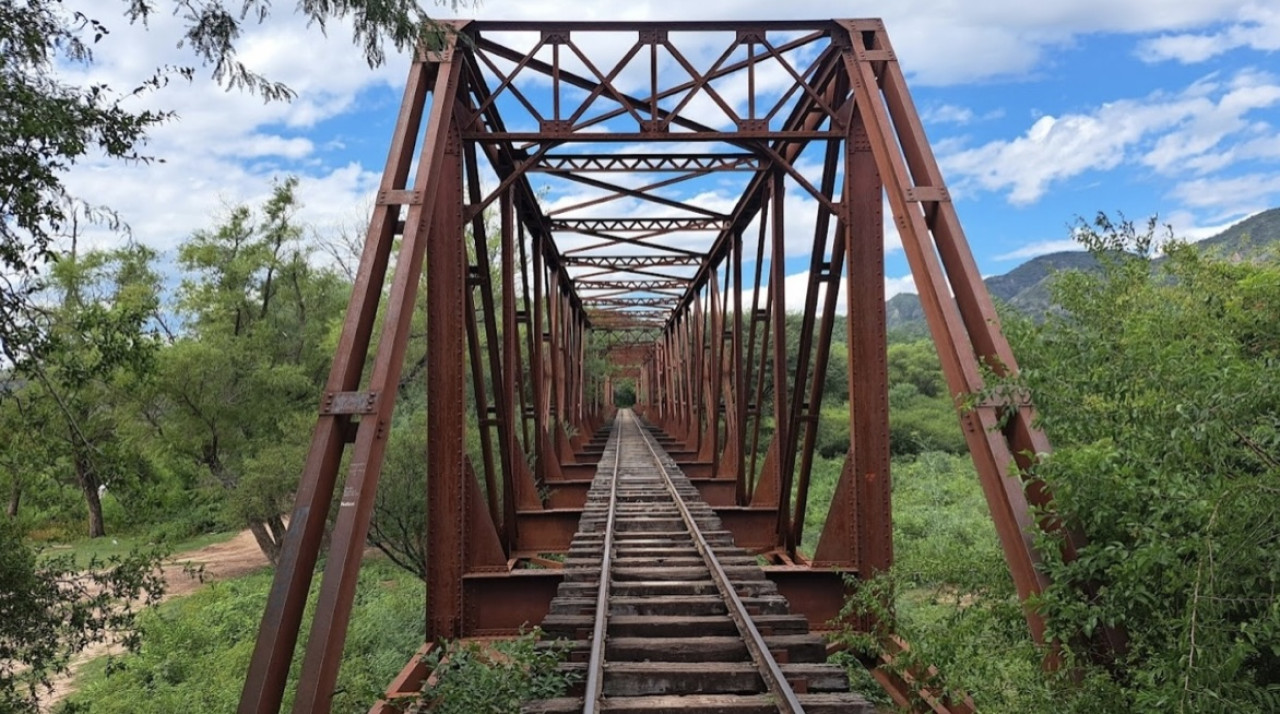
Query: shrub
[
  {"x": 196, "y": 649},
  {"x": 496, "y": 678}
]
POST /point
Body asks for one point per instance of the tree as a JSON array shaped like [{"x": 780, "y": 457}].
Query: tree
[
  {"x": 47, "y": 125},
  {"x": 98, "y": 343},
  {"x": 51, "y": 609},
  {"x": 256, "y": 319},
  {"x": 22, "y": 462},
  {"x": 399, "y": 524},
  {"x": 1158, "y": 386}
]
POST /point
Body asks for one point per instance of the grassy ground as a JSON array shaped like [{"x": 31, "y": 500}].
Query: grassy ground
[
  {"x": 104, "y": 548},
  {"x": 953, "y": 600},
  {"x": 196, "y": 649}
]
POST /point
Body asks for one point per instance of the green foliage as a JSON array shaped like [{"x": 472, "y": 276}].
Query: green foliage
[
  {"x": 624, "y": 395},
  {"x": 99, "y": 346},
  {"x": 922, "y": 417},
  {"x": 950, "y": 592},
  {"x": 916, "y": 363},
  {"x": 1160, "y": 391},
  {"x": 236, "y": 392},
  {"x": 1157, "y": 384},
  {"x": 53, "y": 608},
  {"x": 47, "y": 124},
  {"x": 196, "y": 649},
  {"x": 45, "y": 127},
  {"x": 833, "y": 432},
  {"x": 495, "y": 678},
  {"x": 944, "y": 539},
  {"x": 919, "y": 423},
  {"x": 399, "y": 524}
]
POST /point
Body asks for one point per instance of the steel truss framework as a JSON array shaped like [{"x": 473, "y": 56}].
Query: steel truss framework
[{"x": 685, "y": 296}]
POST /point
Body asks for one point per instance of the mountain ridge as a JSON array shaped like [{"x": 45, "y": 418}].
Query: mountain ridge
[{"x": 1026, "y": 287}]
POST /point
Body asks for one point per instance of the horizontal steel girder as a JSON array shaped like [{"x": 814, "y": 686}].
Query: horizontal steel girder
[
  {"x": 631, "y": 163},
  {"x": 646, "y": 225}
]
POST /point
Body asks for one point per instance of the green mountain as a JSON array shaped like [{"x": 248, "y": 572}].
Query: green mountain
[
  {"x": 1248, "y": 237},
  {"x": 1026, "y": 287}
]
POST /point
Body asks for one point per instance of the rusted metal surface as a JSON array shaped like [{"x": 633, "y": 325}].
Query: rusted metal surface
[
  {"x": 776, "y": 682},
  {"x": 680, "y": 635},
  {"x": 595, "y": 664},
  {"x": 668, "y": 263},
  {"x": 278, "y": 633}
]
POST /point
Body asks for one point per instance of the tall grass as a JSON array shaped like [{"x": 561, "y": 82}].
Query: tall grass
[{"x": 196, "y": 649}]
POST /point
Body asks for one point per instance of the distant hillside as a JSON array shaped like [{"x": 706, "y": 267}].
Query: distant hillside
[
  {"x": 1248, "y": 237},
  {"x": 1026, "y": 287}
]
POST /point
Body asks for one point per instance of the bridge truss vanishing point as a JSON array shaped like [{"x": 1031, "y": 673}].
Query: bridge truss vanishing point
[{"x": 790, "y": 136}]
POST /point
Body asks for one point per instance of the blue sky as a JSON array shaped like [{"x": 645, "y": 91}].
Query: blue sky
[{"x": 1038, "y": 113}]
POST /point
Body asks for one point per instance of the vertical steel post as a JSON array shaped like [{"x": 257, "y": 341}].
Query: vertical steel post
[
  {"x": 859, "y": 524},
  {"x": 278, "y": 633},
  {"x": 446, "y": 412},
  {"x": 437, "y": 176},
  {"x": 781, "y": 392},
  {"x": 740, "y": 371}
]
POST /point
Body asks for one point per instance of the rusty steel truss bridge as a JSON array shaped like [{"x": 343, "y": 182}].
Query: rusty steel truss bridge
[{"x": 689, "y": 160}]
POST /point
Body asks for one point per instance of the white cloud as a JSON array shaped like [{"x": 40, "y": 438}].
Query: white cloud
[
  {"x": 936, "y": 39},
  {"x": 1053, "y": 149},
  {"x": 1183, "y": 223},
  {"x": 947, "y": 114},
  {"x": 259, "y": 145},
  {"x": 1165, "y": 132},
  {"x": 1197, "y": 142},
  {"x": 796, "y": 288},
  {"x": 1230, "y": 196},
  {"x": 1044, "y": 247},
  {"x": 226, "y": 147},
  {"x": 1186, "y": 227},
  {"x": 1258, "y": 29},
  {"x": 901, "y": 284}
]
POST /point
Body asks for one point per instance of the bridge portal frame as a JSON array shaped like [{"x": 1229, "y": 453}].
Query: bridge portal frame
[{"x": 519, "y": 329}]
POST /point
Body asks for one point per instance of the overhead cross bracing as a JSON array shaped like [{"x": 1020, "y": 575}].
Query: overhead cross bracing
[
  {"x": 633, "y": 193},
  {"x": 646, "y": 173}
]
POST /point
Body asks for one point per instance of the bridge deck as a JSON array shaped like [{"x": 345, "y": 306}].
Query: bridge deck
[{"x": 685, "y": 620}]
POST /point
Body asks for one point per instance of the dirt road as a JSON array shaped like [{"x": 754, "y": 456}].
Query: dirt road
[{"x": 221, "y": 561}]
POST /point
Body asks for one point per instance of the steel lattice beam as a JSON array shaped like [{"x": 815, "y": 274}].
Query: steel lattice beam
[
  {"x": 639, "y": 285},
  {"x": 629, "y": 261},
  {"x": 639, "y": 163},
  {"x": 521, "y": 305},
  {"x": 636, "y": 225}
]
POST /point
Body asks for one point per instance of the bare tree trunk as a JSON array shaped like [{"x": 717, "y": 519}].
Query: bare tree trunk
[
  {"x": 277, "y": 526},
  {"x": 269, "y": 539},
  {"x": 88, "y": 481},
  {"x": 15, "y": 499}
]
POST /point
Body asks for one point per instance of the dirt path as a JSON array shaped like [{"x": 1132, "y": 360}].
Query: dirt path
[{"x": 221, "y": 561}]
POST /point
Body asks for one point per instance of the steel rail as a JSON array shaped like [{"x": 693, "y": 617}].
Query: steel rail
[
  {"x": 770, "y": 672},
  {"x": 595, "y": 666}
]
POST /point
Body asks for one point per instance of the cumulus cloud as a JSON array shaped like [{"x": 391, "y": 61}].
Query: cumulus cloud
[
  {"x": 1258, "y": 29},
  {"x": 226, "y": 147},
  {"x": 936, "y": 39},
  {"x": 1232, "y": 196},
  {"x": 947, "y": 114},
  {"x": 1187, "y": 227},
  {"x": 796, "y": 288},
  {"x": 1199, "y": 127}
]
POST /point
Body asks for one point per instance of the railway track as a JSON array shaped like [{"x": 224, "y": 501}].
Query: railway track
[{"x": 665, "y": 614}]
